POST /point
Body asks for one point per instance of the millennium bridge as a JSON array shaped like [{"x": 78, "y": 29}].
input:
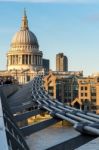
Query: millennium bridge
[{"x": 30, "y": 100}]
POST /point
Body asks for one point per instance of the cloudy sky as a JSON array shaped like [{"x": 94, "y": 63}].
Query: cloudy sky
[{"x": 68, "y": 26}]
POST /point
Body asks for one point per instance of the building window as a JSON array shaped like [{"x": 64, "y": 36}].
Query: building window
[
  {"x": 81, "y": 87},
  {"x": 81, "y": 94},
  {"x": 51, "y": 94},
  {"x": 93, "y": 100},
  {"x": 97, "y": 79},
  {"x": 85, "y": 87},
  {"x": 93, "y": 94},
  {"x": 50, "y": 90},
  {"x": 28, "y": 78},
  {"x": 85, "y": 94},
  {"x": 69, "y": 94}
]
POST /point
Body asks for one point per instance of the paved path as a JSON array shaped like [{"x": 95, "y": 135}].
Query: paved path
[
  {"x": 49, "y": 137},
  {"x": 92, "y": 145}
]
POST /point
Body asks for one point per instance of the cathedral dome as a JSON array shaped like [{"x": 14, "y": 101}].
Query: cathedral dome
[
  {"x": 24, "y": 36},
  {"x": 24, "y": 50}
]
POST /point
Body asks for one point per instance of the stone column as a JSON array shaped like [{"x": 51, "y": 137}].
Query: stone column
[
  {"x": 20, "y": 59},
  {"x": 8, "y": 60},
  {"x": 11, "y": 59},
  {"x": 41, "y": 60},
  {"x": 24, "y": 59},
  {"x": 15, "y": 59},
  {"x": 31, "y": 59},
  {"x": 38, "y": 60},
  {"x": 35, "y": 59},
  {"x": 28, "y": 59}
]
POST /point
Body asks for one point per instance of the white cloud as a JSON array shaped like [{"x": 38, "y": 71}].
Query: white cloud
[{"x": 61, "y": 1}]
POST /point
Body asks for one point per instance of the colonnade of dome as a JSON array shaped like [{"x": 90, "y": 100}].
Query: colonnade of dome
[{"x": 24, "y": 59}]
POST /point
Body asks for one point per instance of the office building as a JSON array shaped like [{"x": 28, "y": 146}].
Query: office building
[
  {"x": 61, "y": 62},
  {"x": 63, "y": 85}
]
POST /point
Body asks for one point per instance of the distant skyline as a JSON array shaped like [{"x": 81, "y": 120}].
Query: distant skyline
[{"x": 71, "y": 27}]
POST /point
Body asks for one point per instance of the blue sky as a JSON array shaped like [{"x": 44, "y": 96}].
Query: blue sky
[{"x": 68, "y": 26}]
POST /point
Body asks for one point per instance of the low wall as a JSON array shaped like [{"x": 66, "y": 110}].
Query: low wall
[{"x": 9, "y": 89}]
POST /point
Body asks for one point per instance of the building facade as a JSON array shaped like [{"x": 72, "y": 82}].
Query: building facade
[
  {"x": 89, "y": 92},
  {"x": 24, "y": 59},
  {"x": 61, "y": 62},
  {"x": 24, "y": 50},
  {"x": 46, "y": 65},
  {"x": 62, "y": 85}
]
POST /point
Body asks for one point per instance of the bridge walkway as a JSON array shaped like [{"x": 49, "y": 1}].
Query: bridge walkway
[{"x": 34, "y": 93}]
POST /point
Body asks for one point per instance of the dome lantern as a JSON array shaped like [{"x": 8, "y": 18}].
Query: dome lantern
[
  {"x": 25, "y": 37},
  {"x": 24, "y": 24}
]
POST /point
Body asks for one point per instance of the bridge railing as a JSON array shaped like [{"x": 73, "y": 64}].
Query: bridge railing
[
  {"x": 82, "y": 121},
  {"x": 10, "y": 135}
]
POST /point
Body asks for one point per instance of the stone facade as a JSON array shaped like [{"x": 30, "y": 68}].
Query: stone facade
[
  {"x": 89, "y": 92},
  {"x": 24, "y": 51},
  {"x": 61, "y": 62},
  {"x": 24, "y": 59},
  {"x": 62, "y": 85}
]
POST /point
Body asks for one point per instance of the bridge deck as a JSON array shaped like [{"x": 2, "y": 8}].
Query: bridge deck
[
  {"x": 34, "y": 93},
  {"x": 92, "y": 145},
  {"x": 49, "y": 137}
]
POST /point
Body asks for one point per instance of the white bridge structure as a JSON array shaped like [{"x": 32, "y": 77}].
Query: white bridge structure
[
  {"x": 30, "y": 100},
  {"x": 84, "y": 122}
]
